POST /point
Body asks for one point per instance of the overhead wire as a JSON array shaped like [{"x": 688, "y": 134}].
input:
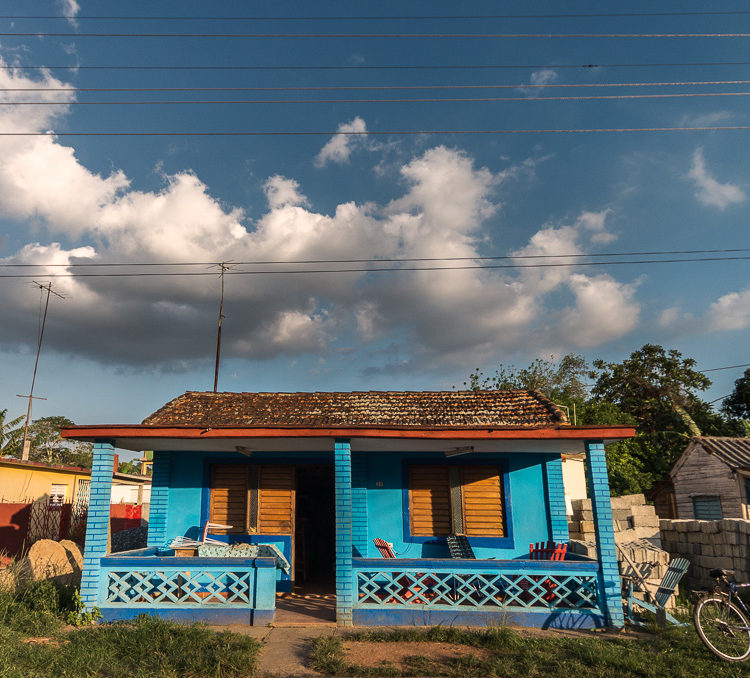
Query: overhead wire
[
  {"x": 575, "y": 255},
  {"x": 372, "y": 269}
]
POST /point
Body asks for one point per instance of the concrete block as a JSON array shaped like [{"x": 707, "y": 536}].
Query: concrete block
[
  {"x": 708, "y": 550},
  {"x": 665, "y": 525},
  {"x": 586, "y": 526},
  {"x": 628, "y": 500},
  {"x": 581, "y": 504},
  {"x": 643, "y": 510},
  {"x": 709, "y": 526},
  {"x": 645, "y": 520},
  {"x": 621, "y": 513},
  {"x": 681, "y": 525},
  {"x": 586, "y": 515}
]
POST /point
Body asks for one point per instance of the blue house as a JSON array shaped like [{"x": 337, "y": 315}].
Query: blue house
[{"x": 258, "y": 493}]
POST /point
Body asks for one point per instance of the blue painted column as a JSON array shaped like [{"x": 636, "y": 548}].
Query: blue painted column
[
  {"x": 359, "y": 505},
  {"x": 558, "y": 516},
  {"x": 97, "y": 522},
  {"x": 610, "y": 595},
  {"x": 342, "y": 461},
  {"x": 157, "y": 512}
]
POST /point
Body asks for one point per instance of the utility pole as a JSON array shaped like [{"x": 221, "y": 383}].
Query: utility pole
[
  {"x": 25, "y": 445},
  {"x": 224, "y": 269}
]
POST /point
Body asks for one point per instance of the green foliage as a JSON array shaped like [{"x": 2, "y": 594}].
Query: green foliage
[
  {"x": 738, "y": 403},
  {"x": 146, "y": 648},
  {"x": 559, "y": 380},
  {"x": 79, "y": 615},
  {"x": 11, "y": 434},
  {"x": 34, "y": 609},
  {"x": 666, "y": 653}
]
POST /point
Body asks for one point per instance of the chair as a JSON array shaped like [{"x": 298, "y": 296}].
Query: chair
[
  {"x": 385, "y": 548},
  {"x": 459, "y": 547},
  {"x": 550, "y": 551},
  {"x": 655, "y": 596}
]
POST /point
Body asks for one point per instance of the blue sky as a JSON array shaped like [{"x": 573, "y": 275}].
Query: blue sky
[{"x": 117, "y": 348}]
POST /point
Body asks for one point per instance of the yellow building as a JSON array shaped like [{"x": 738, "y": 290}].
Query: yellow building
[{"x": 31, "y": 481}]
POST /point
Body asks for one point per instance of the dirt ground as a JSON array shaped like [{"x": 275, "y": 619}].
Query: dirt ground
[{"x": 372, "y": 655}]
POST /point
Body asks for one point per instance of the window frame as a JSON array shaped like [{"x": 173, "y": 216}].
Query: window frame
[
  {"x": 498, "y": 542},
  {"x": 52, "y": 495},
  {"x": 704, "y": 497}
]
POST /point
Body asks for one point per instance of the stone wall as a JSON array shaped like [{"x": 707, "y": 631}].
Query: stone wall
[{"x": 709, "y": 544}]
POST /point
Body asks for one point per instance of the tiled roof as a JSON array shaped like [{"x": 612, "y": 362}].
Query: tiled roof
[
  {"x": 734, "y": 452},
  {"x": 384, "y": 409}
]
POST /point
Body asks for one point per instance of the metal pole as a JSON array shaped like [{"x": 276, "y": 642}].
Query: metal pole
[
  {"x": 24, "y": 447},
  {"x": 218, "y": 336}
]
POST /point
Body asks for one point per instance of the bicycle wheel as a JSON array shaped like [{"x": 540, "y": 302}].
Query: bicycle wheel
[{"x": 723, "y": 628}]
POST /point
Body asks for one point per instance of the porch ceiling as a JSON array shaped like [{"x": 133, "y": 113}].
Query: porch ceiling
[{"x": 569, "y": 439}]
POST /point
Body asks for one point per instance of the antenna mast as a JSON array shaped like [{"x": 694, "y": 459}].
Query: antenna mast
[
  {"x": 224, "y": 268},
  {"x": 25, "y": 445}
]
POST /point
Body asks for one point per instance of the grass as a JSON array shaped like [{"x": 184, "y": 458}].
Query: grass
[
  {"x": 34, "y": 642},
  {"x": 668, "y": 653}
]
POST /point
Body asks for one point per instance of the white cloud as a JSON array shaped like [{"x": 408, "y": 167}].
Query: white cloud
[
  {"x": 539, "y": 80},
  {"x": 441, "y": 316},
  {"x": 281, "y": 191},
  {"x": 70, "y": 9},
  {"x": 730, "y": 312},
  {"x": 710, "y": 192},
  {"x": 351, "y": 135}
]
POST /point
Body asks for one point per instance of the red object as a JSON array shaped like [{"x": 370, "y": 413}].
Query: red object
[
  {"x": 119, "y": 431},
  {"x": 116, "y": 463},
  {"x": 549, "y": 551},
  {"x": 386, "y": 550},
  {"x": 124, "y": 516}
]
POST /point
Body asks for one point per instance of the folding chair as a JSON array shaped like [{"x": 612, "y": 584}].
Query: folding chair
[
  {"x": 459, "y": 547},
  {"x": 655, "y": 596}
]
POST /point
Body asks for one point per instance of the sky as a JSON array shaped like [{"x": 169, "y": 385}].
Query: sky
[{"x": 117, "y": 347}]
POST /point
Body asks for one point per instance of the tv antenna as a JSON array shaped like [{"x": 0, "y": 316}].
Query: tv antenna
[{"x": 31, "y": 397}]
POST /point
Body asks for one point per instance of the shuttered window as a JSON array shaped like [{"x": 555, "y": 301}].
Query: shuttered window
[
  {"x": 453, "y": 499},
  {"x": 252, "y": 499}
]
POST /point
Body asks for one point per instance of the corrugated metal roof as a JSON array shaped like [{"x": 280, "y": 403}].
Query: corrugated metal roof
[
  {"x": 402, "y": 409},
  {"x": 734, "y": 452}
]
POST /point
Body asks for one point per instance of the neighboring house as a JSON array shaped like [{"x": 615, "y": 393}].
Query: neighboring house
[
  {"x": 298, "y": 485},
  {"x": 23, "y": 481},
  {"x": 712, "y": 479}
]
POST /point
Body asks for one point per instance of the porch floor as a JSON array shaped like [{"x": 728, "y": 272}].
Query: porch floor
[{"x": 305, "y": 607}]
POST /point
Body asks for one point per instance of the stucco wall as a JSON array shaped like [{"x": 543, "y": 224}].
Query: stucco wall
[
  {"x": 23, "y": 484},
  {"x": 383, "y": 480},
  {"x": 703, "y": 474}
]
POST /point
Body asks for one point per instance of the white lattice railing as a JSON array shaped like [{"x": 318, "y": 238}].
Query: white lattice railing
[
  {"x": 476, "y": 584},
  {"x": 152, "y": 581}
]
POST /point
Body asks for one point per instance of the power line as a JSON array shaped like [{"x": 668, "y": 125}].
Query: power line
[
  {"x": 729, "y": 367},
  {"x": 331, "y": 88},
  {"x": 263, "y": 262},
  {"x": 579, "y": 130},
  {"x": 431, "y": 17},
  {"x": 362, "y": 36},
  {"x": 365, "y": 67},
  {"x": 372, "y": 270},
  {"x": 381, "y": 100}
]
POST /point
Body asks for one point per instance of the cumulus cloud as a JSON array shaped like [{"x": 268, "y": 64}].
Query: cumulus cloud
[
  {"x": 351, "y": 135},
  {"x": 730, "y": 312},
  {"x": 708, "y": 191},
  {"x": 445, "y": 204}
]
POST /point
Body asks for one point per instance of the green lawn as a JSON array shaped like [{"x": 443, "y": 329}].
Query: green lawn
[
  {"x": 670, "y": 653},
  {"x": 36, "y": 643}
]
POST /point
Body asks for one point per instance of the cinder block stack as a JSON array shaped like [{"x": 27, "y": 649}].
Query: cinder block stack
[{"x": 709, "y": 544}]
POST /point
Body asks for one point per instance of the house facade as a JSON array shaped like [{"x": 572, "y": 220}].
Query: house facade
[
  {"x": 259, "y": 493},
  {"x": 711, "y": 480}
]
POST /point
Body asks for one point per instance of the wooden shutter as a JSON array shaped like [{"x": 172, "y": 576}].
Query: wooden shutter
[
  {"x": 229, "y": 497},
  {"x": 482, "y": 499},
  {"x": 276, "y": 500},
  {"x": 429, "y": 501}
]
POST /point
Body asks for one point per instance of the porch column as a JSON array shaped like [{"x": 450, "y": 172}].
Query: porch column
[
  {"x": 97, "y": 522},
  {"x": 558, "y": 515},
  {"x": 157, "y": 511},
  {"x": 610, "y": 595},
  {"x": 342, "y": 460}
]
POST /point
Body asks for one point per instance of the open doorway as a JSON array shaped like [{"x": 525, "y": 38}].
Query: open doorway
[{"x": 314, "y": 538}]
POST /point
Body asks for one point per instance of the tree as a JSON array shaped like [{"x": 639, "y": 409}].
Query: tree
[
  {"x": 49, "y": 446},
  {"x": 738, "y": 403},
  {"x": 559, "y": 380},
  {"x": 10, "y": 434}
]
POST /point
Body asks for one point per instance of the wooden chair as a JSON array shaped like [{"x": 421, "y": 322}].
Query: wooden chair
[
  {"x": 655, "y": 596},
  {"x": 549, "y": 551}
]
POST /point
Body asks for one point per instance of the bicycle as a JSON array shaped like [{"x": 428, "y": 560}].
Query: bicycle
[{"x": 721, "y": 624}]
